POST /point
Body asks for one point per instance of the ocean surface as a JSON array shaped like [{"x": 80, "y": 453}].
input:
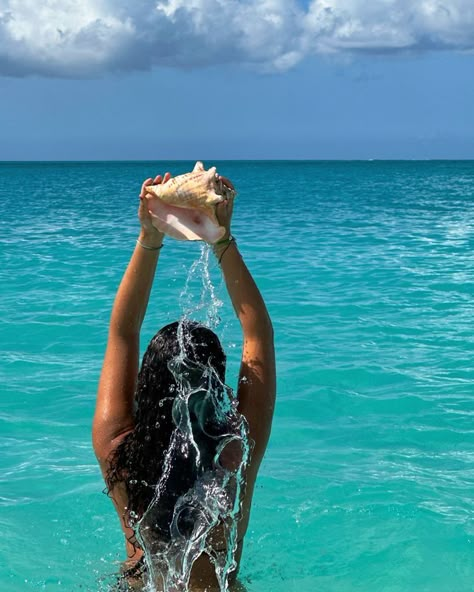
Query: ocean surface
[{"x": 368, "y": 272}]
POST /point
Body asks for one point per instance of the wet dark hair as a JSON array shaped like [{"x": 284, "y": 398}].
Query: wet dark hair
[{"x": 138, "y": 461}]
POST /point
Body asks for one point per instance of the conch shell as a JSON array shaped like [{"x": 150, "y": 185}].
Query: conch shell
[{"x": 185, "y": 206}]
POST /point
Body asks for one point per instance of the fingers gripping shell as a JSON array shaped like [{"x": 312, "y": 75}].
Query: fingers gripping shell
[{"x": 185, "y": 206}]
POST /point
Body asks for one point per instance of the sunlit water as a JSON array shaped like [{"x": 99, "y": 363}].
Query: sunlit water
[{"x": 367, "y": 268}]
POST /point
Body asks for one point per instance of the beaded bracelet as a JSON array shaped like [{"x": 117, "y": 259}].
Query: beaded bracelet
[
  {"x": 139, "y": 242},
  {"x": 224, "y": 241}
]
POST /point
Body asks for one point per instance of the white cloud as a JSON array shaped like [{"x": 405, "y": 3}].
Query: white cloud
[
  {"x": 73, "y": 39},
  {"x": 390, "y": 25}
]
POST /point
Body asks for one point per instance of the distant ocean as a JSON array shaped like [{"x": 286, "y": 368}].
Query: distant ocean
[{"x": 368, "y": 272}]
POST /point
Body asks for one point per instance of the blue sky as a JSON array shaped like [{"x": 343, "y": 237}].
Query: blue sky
[{"x": 222, "y": 79}]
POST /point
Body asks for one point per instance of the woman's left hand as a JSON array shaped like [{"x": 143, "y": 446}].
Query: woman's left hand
[{"x": 143, "y": 213}]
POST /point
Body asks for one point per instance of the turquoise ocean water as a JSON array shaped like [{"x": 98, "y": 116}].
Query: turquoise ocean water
[{"x": 368, "y": 271}]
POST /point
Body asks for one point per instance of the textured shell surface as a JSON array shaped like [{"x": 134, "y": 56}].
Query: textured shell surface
[
  {"x": 199, "y": 189},
  {"x": 185, "y": 206}
]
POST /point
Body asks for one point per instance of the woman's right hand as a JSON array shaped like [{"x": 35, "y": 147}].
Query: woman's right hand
[{"x": 225, "y": 208}]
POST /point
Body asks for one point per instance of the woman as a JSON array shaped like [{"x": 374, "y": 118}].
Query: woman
[{"x": 131, "y": 440}]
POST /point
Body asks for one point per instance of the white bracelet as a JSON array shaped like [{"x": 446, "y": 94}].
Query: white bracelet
[{"x": 139, "y": 242}]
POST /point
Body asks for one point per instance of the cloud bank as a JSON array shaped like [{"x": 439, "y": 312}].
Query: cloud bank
[{"x": 68, "y": 38}]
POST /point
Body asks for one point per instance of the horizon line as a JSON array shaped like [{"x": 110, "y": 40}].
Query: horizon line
[{"x": 137, "y": 160}]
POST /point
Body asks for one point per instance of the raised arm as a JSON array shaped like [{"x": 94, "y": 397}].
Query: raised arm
[
  {"x": 257, "y": 382},
  {"x": 114, "y": 407}
]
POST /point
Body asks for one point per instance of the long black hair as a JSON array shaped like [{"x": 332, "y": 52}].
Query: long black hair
[{"x": 139, "y": 461}]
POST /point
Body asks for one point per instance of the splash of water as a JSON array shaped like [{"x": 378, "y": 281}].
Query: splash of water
[
  {"x": 208, "y": 302},
  {"x": 199, "y": 494}
]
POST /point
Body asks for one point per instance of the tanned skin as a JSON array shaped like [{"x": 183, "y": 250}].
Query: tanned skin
[{"x": 113, "y": 418}]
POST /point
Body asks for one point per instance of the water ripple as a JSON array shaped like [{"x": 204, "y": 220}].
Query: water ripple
[{"x": 368, "y": 271}]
